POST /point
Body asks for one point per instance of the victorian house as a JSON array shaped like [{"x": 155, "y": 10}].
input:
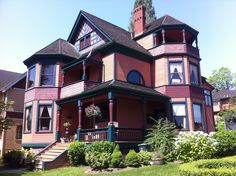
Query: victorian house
[{"x": 154, "y": 71}]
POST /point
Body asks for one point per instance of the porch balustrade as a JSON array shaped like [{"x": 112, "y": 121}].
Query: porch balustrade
[
  {"x": 76, "y": 88},
  {"x": 121, "y": 134}
]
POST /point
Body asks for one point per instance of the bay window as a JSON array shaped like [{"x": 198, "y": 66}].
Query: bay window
[
  {"x": 194, "y": 74},
  {"x": 198, "y": 117},
  {"x": 47, "y": 75},
  {"x": 45, "y": 118},
  {"x": 28, "y": 119},
  {"x": 179, "y": 114},
  {"x": 176, "y": 73},
  {"x": 31, "y": 77}
]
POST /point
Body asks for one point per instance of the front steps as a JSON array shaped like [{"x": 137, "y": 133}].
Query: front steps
[{"x": 52, "y": 156}]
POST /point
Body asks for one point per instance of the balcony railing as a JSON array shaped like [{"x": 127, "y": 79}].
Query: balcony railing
[
  {"x": 76, "y": 88},
  {"x": 174, "y": 48},
  {"x": 121, "y": 134}
]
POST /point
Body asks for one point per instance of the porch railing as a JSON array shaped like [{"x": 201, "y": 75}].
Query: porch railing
[
  {"x": 91, "y": 135},
  {"x": 121, "y": 134}
]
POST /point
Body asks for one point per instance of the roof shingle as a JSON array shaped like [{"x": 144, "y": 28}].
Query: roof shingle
[
  {"x": 7, "y": 77},
  {"x": 223, "y": 94}
]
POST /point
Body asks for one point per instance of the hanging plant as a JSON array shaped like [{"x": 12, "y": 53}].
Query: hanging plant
[
  {"x": 67, "y": 124},
  {"x": 93, "y": 111}
]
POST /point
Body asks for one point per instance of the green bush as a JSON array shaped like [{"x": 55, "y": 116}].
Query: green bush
[
  {"x": 98, "y": 154},
  {"x": 190, "y": 146},
  {"x": 13, "y": 158},
  {"x": 226, "y": 143},
  {"x": 116, "y": 158},
  {"x": 229, "y": 115},
  {"x": 144, "y": 157},
  {"x": 132, "y": 159},
  {"x": 161, "y": 138},
  {"x": 212, "y": 167},
  {"x": 76, "y": 153}
]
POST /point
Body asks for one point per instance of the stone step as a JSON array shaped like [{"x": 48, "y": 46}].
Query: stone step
[
  {"x": 47, "y": 156},
  {"x": 52, "y": 153},
  {"x": 59, "y": 148},
  {"x": 55, "y": 151}
]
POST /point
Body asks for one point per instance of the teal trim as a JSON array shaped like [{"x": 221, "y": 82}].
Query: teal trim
[
  {"x": 111, "y": 133},
  {"x": 110, "y": 95},
  {"x": 34, "y": 145},
  {"x": 78, "y": 134},
  {"x": 58, "y": 136},
  {"x": 79, "y": 103}
]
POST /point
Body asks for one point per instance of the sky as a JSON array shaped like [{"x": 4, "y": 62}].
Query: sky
[{"x": 26, "y": 26}]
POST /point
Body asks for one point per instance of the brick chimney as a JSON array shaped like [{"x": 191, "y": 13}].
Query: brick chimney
[{"x": 139, "y": 20}]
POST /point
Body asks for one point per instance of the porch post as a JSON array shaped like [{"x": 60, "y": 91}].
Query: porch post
[
  {"x": 79, "y": 119},
  {"x": 58, "y": 123},
  {"x": 184, "y": 39},
  {"x": 163, "y": 36},
  {"x": 144, "y": 116},
  {"x": 111, "y": 127},
  {"x": 84, "y": 77}
]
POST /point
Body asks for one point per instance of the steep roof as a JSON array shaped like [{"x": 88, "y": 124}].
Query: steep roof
[
  {"x": 58, "y": 47},
  {"x": 223, "y": 94},
  {"x": 115, "y": 33},
  {"x": 6, "y": 77}
]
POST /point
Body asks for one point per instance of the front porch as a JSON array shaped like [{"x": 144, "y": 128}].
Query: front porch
[{"x": 125, "y": 113}]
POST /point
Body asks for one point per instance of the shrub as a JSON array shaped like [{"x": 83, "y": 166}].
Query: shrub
[
  {"x": 132, "y": 159},
  {"x": 98, "y": 154},
  {"x": 13, "y": 158},
  {"x": 226, "y": 143},
  {"x": 116, "y": 158},
  {"x": 144, "y": 157},
  {"x": 161, "y": 138},
  {"x": 214, "y": 167},
  {"x": 191, "y": 146},
  {"x": 229, "y": 115},
  {"x": 76, "y": 153}
]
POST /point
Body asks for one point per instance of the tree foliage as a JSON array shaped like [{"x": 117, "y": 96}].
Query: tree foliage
[
  {"x": 222, "y": 79},
  {"x": 150, "y": 12},
  {"x": 4, "y": 122}
]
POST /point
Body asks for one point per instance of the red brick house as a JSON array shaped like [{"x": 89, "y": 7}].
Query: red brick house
[
  {"x": 12, "y": 89},
  {"x": 153, "y": 72}
]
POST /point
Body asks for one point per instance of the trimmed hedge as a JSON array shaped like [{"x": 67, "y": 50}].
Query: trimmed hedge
[
  {"x": 213, "y": 167},
  {"x": 76, "y": 153}
]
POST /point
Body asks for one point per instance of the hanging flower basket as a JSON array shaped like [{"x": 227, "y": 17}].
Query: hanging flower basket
[
  {"x": 92, "y": 111},
  {"x": 67, "y": 124}
]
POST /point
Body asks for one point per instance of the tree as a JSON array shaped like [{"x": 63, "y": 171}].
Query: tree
[
  {"x": 4, "y": 122},
  {"x": 222, "y": 79},
  {"x": 150, "y": 12}
]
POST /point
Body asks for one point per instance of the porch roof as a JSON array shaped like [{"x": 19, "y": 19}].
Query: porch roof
[{"x": 117, "y": 87}]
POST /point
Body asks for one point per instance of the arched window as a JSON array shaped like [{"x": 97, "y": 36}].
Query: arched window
[{"x": 135, "y": 77}]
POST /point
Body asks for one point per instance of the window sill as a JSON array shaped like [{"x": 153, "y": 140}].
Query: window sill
[
  {"x": 27, "y": 132},
  {"x": 43, "y": 132}
]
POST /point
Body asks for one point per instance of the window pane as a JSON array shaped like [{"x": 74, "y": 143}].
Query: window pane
[
  {"x": 48, "y": 69},
  {"x": 19, "y": 132},
  {"x": 28, "y": 118},
  {"x": 194, "y": 79},
  {"x": 135, "y": 77},
  {"x": 47, "y": 75},
  {"x": 176, "y": 73},
  {"x": 45, "y": 116},
  {"x": 31, "y": 77},
  {"x": 179, "y": 110},
  {"x": 197, "y": 114}
]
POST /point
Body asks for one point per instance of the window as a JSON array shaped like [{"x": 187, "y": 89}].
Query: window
[
  {"x": 198, "y": 119},
  {"x": 31, "y": 77},
  {"x": 45, "y": 118},
  {"x": 19, "y": 132},
  {"x": 84, "y": 42},
  {"x": 176, "y": 73},
  {"x": 194, "y": 77},
  {"x": 207, "y": 95},
  {"x": 179, "y": 114},
  {"x": 135, "y": 77},
  {"x": 47, "y": 75},
  {"x": 28, "y": 119},
  {"x": 105, "y": 113}
]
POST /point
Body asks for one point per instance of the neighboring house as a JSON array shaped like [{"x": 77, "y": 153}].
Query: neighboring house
[
  {"x": 221, "y": 100},
  {"x": 153, "y": 72},
  {"x": 12, "y": 88}
]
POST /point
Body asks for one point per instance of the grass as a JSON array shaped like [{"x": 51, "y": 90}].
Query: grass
[{"x": 163, "y": 170}]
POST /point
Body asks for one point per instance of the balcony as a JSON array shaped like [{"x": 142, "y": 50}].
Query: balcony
[
  {"x": 174, "y": 48},
  {"x": 76, "y": 88}
]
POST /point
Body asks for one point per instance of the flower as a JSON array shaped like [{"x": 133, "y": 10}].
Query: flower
[
  {"x": 67, "y": 124},
  {"x": 93, "y": 111}
]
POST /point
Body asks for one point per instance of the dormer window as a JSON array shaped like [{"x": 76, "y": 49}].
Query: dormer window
[{"x": 84, "y": 42}]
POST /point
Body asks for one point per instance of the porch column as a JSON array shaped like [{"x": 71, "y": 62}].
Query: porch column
[
  {"x": 58, "y": 123},
  {"x": 184, "y": 39},
  {"x": 84, "y": 77},
  {"x": 79, "y": 119},
  {"x": 163, "y": 36},
  {"x": 111, "y": 127}
]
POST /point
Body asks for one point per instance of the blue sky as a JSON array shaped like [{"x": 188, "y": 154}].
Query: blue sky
[{"x": 26, "y": 26}]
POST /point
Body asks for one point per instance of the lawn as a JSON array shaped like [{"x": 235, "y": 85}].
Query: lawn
[{"x": 163, "y": 170}]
